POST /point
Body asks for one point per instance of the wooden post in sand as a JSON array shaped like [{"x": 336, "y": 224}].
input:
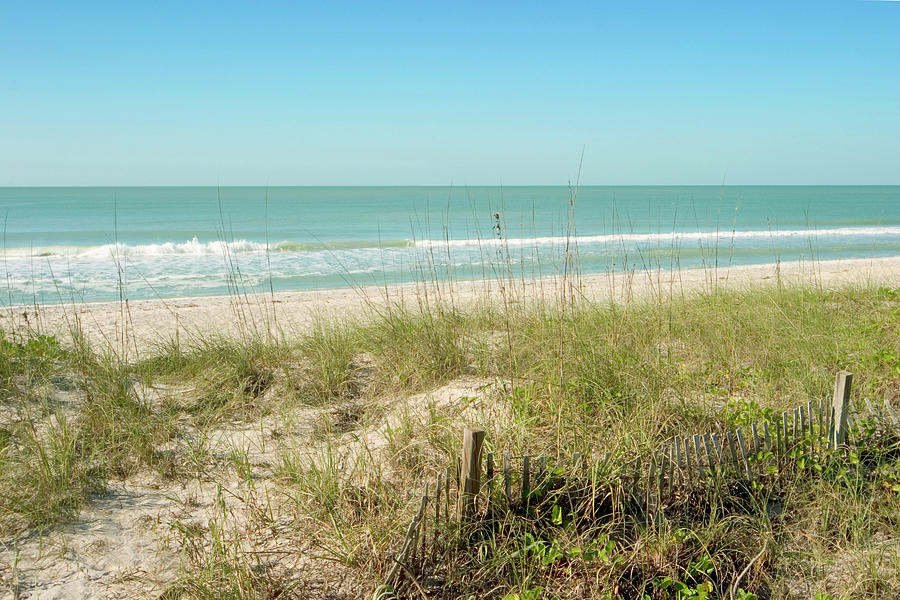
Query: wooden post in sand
[
  {"x": 840, "y": 407},
  {"x": 470, "y": 477}
]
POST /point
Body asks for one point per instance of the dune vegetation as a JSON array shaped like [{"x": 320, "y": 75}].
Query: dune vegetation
[{"x": 291, "y": 465}]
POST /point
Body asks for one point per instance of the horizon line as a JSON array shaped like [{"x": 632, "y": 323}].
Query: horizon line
[{"x": 450, "y": 185}]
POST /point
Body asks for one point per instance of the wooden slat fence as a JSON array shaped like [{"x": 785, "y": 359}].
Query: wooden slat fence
[{"x": 461, "y": 497}]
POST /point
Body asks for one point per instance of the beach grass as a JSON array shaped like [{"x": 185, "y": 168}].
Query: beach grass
[{"x": 358, "y": 413}]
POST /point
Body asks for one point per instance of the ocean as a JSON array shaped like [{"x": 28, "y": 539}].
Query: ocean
[{"x": 79, "y": 244}]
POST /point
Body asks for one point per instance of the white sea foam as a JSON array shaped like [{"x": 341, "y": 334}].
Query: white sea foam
[
  {"x": 218, "y": 248},
  {"x": 192, "y": 247},
  {"x": 677, "y": 236}
]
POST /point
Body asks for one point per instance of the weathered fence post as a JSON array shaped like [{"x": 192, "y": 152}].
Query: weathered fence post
[
  {"x": 470, "y": 476},
  {"x": 840, "y": 407}
]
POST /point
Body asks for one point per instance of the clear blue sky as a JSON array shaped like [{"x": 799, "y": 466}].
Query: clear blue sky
[{"x": 192, "y": 93}]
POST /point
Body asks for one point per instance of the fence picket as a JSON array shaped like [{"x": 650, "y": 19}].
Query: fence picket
[
  {"x": 507, "y": 478},
  {"x": 660, "y": 507},
  {"x": 489, "y": 469},
  {"x": 891, "y": 413},
  {"x": 606, "y": 458},
  {"x": 400, "y": 558},
  {"x": 526, "y": 477},
  {"x": 710, "y": 459},
  {"x": 489, "y": 481},
  {"x": 803, "y": 420},
  {"x": 542, "y": 470},
  {"x": 820, "y": 410},
  {"x": 718, "y": 444},
  {"x": 869, "y": 407},
  {"x": 810, "y": 420},
  {"x": 730, "y": 440},
  {"x": 679, "y": 459},
  {"x": 687, "y": 460},
  {"x": 784, "y": 423},
  {"x": 778, "y": 446},
  {"x": 698, "y": 453},
  {"x": 670, "y": 465},
  {"x": 829, "y": 422},
  {"x": 447, "y": 495},
  {"x": 743, "y": 447},
  {"x": 424, "y": 527},
  {"x": 437, "y": 507}
]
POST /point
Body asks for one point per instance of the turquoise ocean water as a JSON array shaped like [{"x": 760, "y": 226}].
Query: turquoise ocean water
[{"x": 86, "y": 244}]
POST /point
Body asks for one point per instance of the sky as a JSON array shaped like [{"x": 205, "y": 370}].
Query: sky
[{"x": 427, "y": 93}]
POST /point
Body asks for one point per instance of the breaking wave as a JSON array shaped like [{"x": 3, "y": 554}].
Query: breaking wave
[{"x": 195, "y": 248}]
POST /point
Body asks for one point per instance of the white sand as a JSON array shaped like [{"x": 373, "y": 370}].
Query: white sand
[{"x": 151, "y": 322}]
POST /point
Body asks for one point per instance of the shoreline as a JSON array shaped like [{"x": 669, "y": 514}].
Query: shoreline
[{"x": 151, "y": 322}]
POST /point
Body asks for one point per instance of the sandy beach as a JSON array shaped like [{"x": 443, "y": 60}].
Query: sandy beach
[{"x": 142, "y": 324}]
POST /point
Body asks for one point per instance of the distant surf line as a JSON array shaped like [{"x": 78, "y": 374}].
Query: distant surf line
[{"x": 195, "y": 247}]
